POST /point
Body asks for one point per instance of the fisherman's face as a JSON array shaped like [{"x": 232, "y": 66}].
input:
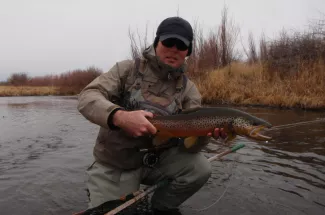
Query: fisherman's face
[{"x": 172, "y": 51}]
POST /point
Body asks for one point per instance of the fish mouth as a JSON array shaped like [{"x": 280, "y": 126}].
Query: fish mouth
[{"x": 255, "y": 133}]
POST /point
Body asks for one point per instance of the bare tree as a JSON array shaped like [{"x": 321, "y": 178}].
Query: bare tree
[
  {"x": 139, "y": 45},
  {"x": 263, "y": 49},
  {"x": 252, "y": 58},
  {"x": 18, "y": 79},
  {"x": 223, "y": 39},
  {"x": 228, "y": 38}
]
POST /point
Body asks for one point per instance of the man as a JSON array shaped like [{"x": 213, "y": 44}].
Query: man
[{"x": 122, "y": 100}]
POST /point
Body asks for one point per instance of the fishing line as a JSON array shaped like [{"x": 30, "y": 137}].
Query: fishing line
[
  {"x": 224, "y": 192},
  {"x": 297, "y": 123},
  {"x": 222, "y": 195},
  {"x": 287, "y": 206},
  {"x": 274, "y": 202}
]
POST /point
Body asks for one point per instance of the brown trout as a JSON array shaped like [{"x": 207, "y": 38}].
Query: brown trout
[{"x": 196, "y": 122}]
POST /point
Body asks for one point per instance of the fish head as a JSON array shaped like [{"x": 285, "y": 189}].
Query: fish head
[{"x": 251, "y": 127}]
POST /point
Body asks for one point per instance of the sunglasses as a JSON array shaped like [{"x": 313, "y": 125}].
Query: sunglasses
[{"x": 171, "y": 42}]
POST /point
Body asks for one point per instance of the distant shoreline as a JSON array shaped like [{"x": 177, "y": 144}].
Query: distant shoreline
[
  {"x": 11, "y": 91},
  {"x": 27, "y": 91}
]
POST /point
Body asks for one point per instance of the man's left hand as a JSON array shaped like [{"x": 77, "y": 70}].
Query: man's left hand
[{"x": 217, "y": 133}]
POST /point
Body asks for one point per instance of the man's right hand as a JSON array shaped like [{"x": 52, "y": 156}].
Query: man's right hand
[{"x": 134, "y": 123}]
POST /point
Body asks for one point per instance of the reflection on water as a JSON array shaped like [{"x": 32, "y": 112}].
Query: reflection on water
[{"x": 46, "y": 145}]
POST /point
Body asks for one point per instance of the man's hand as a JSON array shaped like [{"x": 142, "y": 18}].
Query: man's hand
[
  {"x": 134, "y": 123},
  {"x": 218, "y": 133}
]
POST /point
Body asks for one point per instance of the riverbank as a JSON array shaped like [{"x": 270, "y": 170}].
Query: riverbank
[
  {"x": 244, "y": 84},
  {"x": 238, "y": 84},
  {"x": 27, "y": 91},
  {"x": 37, "y": 91}
]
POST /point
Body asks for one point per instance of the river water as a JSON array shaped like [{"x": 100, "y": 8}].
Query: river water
[{"x": 46, "y": 145}]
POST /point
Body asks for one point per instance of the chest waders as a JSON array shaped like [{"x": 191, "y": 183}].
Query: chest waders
[{"x": 134, "y": 99}]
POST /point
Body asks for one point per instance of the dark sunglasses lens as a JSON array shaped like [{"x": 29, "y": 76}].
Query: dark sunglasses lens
[
  {"x": 181, "y": 46},
  {"x": 168, "y": 43},
  {"x": 172, "y": 42}
]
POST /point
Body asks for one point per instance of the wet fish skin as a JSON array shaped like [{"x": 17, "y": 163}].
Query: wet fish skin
[{"x": 200, "y": 121}]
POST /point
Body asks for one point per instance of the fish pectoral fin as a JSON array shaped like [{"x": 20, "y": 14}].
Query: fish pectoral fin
[{"x": 189, "y": 142}]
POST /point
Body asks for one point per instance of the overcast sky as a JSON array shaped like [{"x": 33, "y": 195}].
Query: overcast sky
[{"x": 43, "y": 37}]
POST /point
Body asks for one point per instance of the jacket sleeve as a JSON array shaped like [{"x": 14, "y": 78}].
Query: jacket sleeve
[
  {"x": 95, "y": 100},
  {"x": 192, "y": 98}
]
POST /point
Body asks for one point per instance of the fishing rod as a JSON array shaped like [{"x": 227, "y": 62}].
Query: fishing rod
[
  {"x": 139, "y": 196},
  {"x": 127, "y": 200},
  {"x": 219, "y": 156}
]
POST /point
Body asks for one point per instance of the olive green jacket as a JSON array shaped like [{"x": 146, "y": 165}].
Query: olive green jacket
[{"x": 97, "y": 101}]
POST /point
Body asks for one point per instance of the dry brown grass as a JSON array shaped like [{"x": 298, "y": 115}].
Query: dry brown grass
[
  {"x": 236, "y": 84},
  {"x": 28, "y": 91},
  {"x": 244, "y": 84},
  {"x": 288, "y": 71}
]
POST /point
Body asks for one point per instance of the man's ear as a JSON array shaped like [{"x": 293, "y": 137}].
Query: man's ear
[
  {"x": 189, "y": 52},
  {"x": 155, "y": 42}
]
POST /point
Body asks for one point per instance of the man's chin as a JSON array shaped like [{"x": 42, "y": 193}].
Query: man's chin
[{"x": 172, "y": 64}]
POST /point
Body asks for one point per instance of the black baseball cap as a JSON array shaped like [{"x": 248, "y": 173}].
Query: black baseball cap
[{"x": 175, "y": 27}]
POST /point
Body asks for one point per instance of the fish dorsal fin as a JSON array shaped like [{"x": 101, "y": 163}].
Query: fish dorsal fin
[{"x": 190, "y": 110}]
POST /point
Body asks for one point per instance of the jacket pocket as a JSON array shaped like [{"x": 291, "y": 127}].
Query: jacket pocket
[{"x": 150, "y": 84}]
